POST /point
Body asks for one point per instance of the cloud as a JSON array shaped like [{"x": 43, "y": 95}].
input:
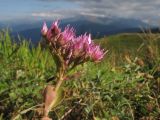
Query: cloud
[
  {"x": 55, "y": 14},
  {"x": 63, "y": 13},
  {"x": 124, "y": 8},
  {"x": 47, "y": 15},
  {"x": 138, "y": 9}
]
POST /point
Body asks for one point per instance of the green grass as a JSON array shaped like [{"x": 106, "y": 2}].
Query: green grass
[{"x": 112, "y": 89}]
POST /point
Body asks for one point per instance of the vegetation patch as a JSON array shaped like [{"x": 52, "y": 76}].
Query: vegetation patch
[{"x": 124, "y": 86}]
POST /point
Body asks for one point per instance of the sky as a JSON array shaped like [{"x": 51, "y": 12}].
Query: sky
[{"x": 145, "y": 10}]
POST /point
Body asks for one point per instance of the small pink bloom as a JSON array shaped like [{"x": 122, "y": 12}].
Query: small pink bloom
[
  {"x": 49, "y": 35},
  {"x": 66, "y": 36},
  {"x": 78, "y": 45},
  {"x": 68, "y": 33},
  {"x": 55, "y": 27},
  {"x": 81, "y": 45},
  {"x": 89, "y": 39},
  {"x": 95, "y": 53},
  {"x": 53, "y": 31},
  {"x": 44, "y": 29}
]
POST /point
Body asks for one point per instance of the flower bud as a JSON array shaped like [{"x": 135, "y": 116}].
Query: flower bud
[{"x": 44, "y": 29}]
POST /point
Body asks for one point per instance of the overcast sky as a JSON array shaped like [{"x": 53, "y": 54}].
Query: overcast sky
[{"x": 146, "y": 10}]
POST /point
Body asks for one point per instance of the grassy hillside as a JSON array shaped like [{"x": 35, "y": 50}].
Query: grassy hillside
[
  {"x": 128, "y": 41},
  {"x": 132, "y": 44},
  {"x": 125, "y": 86}
]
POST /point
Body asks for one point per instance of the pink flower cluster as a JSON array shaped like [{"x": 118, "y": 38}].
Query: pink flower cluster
[{"x": 74, "y": 50}]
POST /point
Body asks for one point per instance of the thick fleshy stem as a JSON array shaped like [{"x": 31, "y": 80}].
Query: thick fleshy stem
[{"x": 60, "y": 65}]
